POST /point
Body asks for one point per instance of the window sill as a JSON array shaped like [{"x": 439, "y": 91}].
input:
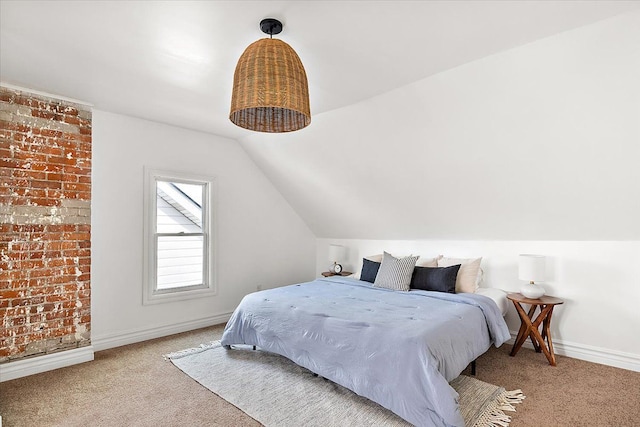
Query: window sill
[{"x": 174, "y": 295}]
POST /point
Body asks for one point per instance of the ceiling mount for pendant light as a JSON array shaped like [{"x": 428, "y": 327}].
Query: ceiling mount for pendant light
[
  {"x": 271, "y": 26},
  {"x": 270, "y": 89}
]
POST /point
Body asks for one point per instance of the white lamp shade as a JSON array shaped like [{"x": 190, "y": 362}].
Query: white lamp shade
[
  {"x": 336, "y": 253},
  {"x": 531, "y": 267}
]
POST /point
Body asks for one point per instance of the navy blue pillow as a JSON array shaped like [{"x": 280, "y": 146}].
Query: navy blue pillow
[
  {"x": 369, "y": 270},
  {"x": 440, "y": 279}
]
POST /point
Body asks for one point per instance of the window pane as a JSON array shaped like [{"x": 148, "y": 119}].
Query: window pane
[
  {"x": 180, "y": 261},
  {"x": 194, "y": 191},
  {"x": 179, "y": 207},
  {"x": 179, "y": 254}
]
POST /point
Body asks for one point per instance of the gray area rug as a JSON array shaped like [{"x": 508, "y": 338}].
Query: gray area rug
[{"x": 277, "y": 392}]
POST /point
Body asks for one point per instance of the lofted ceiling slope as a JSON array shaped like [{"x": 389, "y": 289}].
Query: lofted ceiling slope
[
  {"x": 430, "y": 119},
  {"x": 539, "y": 142},
  {"x": 173, "y": 61}
]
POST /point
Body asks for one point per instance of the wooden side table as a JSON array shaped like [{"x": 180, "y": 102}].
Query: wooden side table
[
  {"x": 529, "y": 326},
  {"x": 329, "y": 273}
]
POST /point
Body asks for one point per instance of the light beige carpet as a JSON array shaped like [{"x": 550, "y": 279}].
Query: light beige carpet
[
  {"x": 133, "y": 386},
  {"x": 277, "y": 392}
]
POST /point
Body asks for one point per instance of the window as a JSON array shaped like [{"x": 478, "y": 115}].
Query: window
[{"x": 178, "y": 236}]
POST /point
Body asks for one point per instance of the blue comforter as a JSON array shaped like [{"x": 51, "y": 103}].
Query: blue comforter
[{"x": 399, "y": 349}]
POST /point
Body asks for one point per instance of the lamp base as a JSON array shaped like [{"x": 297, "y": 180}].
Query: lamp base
[{"x": 531, "y": 290}]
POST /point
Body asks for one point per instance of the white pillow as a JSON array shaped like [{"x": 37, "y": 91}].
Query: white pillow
[
  {"x": 378, "y": 257},
  {"x": 374, "y": 258},
  {"x": 469, "y": 275},
  {"x": 428, "y": 262},
  {"x": 395, "y": 273}
]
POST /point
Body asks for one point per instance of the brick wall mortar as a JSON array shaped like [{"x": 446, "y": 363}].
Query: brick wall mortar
[{"x": 45, "y": 228}]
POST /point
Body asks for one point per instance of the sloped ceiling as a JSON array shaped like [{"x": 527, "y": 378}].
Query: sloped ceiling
[
  {"x": 173, "y": 61},
  {"x": 541, "y": 142},
  {"x": 416, "y": 104}
]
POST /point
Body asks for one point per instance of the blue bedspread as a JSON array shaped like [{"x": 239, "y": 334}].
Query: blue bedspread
[{"x": 399, "y": 349}]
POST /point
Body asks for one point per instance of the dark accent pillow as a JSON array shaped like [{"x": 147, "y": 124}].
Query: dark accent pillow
[
  {"x": 440, "y": 279},
  {"x": 369, "y": 270}
]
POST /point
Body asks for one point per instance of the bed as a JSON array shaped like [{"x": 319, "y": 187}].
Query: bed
[{"x": 399, "y": 349}]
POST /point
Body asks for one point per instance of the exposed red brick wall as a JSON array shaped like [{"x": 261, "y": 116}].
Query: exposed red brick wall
[{"x": 45, "y": 225}]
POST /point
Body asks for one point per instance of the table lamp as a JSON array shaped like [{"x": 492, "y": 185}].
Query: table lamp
[
  {"x": 532, "y": 269},
  {"x": 336, "y": 254}
]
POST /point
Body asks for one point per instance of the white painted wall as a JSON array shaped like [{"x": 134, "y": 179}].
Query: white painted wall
[
  {"x": 598, "y": 280},
  {"x": 261, "y": 240}
]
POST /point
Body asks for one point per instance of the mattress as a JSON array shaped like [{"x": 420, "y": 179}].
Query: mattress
[{"x": 498, "y": 296}]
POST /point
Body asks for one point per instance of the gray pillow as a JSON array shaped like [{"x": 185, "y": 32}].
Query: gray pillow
[{"x": 395, "y": 273}]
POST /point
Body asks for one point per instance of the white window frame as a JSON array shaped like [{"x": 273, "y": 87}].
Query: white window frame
[{"x": 151, "y": 294}]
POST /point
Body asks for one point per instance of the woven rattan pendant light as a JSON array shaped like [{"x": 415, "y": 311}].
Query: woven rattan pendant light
[{"x": 270, "y": 89}]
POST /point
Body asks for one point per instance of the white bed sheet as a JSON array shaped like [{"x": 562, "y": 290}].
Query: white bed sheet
[{"x": 498, "y": 295}]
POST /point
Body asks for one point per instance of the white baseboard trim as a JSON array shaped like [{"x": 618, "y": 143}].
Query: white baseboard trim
[
  {"x": 48, "y": 362},
  {"x": 133, "y": 336},
  {"x": 604, "y": 356}
]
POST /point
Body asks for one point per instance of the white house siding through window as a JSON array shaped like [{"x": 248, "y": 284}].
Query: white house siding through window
[{"x": 180, "y": 237}]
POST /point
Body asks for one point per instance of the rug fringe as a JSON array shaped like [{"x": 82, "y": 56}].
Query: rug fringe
[
  {"x": 190, "y": 351},
  {"x": 494, "y": 415},
  {"x": 507, "y": 399}
]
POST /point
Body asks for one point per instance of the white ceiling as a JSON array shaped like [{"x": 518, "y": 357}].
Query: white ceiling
[{"x": 173, "y": 62}]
